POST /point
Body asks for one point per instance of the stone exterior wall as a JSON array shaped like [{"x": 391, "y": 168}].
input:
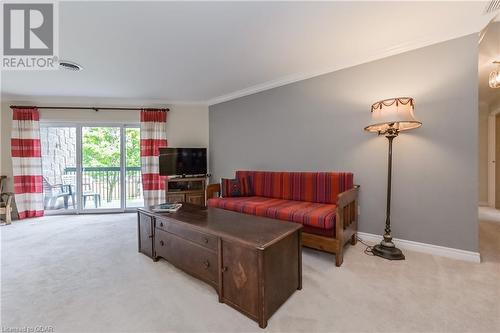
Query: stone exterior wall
[{"x": 58, "y": 151}]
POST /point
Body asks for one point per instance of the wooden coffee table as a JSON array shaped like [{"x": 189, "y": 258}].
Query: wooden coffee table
[{"x": 254, "y": 263}]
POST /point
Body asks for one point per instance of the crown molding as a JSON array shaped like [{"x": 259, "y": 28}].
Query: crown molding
[
  {"x": 388, "y": 52},
  {"x": 308, "y": 75}
]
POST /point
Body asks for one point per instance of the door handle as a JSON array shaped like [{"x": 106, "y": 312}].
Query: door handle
[{"x": 224, "y": 269}]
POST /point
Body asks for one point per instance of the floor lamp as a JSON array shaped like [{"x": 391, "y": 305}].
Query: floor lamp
[{"x": 390, "y": 117}]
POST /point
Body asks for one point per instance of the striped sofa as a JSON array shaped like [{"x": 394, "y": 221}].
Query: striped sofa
[{"x": 323, "y": 202}]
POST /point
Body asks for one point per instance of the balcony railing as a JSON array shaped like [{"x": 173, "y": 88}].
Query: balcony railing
[{"x": 106, "y": 181}]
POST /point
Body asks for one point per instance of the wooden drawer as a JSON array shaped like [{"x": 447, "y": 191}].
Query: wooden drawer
[
  {"x": 188, "y": 256},
  {"x": 175, "y": 198},
  {"x": 176, "y": 228}
]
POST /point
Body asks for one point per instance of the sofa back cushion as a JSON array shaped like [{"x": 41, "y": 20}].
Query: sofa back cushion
[{"x": 321, "y": 187}]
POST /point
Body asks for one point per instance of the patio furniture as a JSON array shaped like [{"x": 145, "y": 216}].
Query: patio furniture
[
  {"x": 53, "y": 192},
  {"x": 5, "y": 202},
  {"x": 70, "y": 180},
  {"x": 68, "y": 183},
  {"x": 88, "y": 193}
]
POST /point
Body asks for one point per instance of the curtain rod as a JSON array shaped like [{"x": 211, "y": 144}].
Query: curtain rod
[{"x": 95, "y": 108}]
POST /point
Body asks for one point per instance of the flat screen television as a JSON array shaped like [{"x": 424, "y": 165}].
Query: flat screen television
[{"x": 183, "y": 161}]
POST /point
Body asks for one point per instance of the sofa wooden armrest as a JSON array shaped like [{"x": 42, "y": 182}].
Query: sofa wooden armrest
[
  {"x": 212, "y": 189},
  {"x": 346, "y": 227},
  {"x": 347, "y": 197}
]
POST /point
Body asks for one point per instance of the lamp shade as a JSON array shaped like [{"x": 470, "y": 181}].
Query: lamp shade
[{"x": 393, "y": 114}]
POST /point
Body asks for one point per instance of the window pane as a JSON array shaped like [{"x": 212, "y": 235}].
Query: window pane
[
  {"x": 59, "y": 168},
  {"x": 133, "y": 179},
  {"x": 101, "y": 168}
]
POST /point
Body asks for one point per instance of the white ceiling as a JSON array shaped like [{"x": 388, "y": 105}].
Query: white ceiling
[{"x": 214, "y": 51}]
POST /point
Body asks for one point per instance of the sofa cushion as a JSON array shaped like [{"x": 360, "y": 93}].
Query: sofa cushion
[
  {"x": 320, "y": 187},
  {"x": 238, "y": 187},
  {"x": 315, "y": 215},
  {"x": 264, "y": 183}
]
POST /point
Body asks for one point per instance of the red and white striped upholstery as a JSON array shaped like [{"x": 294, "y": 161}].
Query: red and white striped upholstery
[
  {"x": 27, "y": 162},
  {"x": 153, "y": 137},
  {"x": 308, "y": 198}
]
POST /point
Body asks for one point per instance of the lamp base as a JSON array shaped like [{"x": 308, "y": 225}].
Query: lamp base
[{"x": 386, "y": 252}]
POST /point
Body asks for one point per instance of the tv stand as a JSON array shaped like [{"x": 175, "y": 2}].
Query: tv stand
[{"x": 186, "y": 189}]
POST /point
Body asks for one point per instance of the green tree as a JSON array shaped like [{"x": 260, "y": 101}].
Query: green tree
[
  {"x": 133, "y": 147},
  {"x": 101, "y": 147}
]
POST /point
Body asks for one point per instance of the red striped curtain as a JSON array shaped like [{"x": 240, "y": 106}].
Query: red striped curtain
[
  {"x": 153, "y": 136},
  {"x": 27, "y": 162}
]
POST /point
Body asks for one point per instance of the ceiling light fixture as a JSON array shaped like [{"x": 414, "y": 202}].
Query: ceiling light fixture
[
  {"x": 70, "y": 65},
  {"x": 495, "y": 76}
]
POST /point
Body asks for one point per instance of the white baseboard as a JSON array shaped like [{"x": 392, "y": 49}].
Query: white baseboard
[
  {"x": 426, "y": 248},
  {"x": 483, "y": 203}
]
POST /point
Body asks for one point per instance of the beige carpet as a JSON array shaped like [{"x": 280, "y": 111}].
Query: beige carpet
[{"x": 83, "y": 273}]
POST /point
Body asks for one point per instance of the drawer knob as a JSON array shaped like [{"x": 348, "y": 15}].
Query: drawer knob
[
  {"x": 162, "y": 243},
  {"x": 161, "y": 224},
  {"x": 207, "y": 264},
  {"x": 150, "y": 236},
  {"x": 224, "y": 269},
  {"x": 205, "y": 240}
]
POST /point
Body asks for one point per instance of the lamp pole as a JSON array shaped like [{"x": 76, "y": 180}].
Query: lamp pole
[{"x": 387, "y": 249}]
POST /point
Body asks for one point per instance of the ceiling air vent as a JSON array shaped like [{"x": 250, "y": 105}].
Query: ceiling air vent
[
  {"x": 492, "y": 6},
  {"x": 69, "y": 65}
]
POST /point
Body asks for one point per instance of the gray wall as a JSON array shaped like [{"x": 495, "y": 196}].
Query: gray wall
[
  {"x": 497, "y": 165},
  {"x": 317, "y": 124}
]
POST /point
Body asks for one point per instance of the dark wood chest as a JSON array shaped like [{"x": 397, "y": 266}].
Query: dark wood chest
[{"x": 253, "y": 263}]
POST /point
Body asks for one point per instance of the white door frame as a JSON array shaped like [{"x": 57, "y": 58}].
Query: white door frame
[{"x": 491, "y": 156}]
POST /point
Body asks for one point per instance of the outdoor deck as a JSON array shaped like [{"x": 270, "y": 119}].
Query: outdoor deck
[{"x": 100, "y": 189}]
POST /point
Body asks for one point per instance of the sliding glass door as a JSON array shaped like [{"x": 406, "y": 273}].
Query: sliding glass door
[{"x": 98, "y": 171}]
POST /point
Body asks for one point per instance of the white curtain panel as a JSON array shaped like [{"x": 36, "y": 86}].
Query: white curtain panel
[
  {"x": 153, "y": 137},
  {"x": 27, "y": 162}
]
